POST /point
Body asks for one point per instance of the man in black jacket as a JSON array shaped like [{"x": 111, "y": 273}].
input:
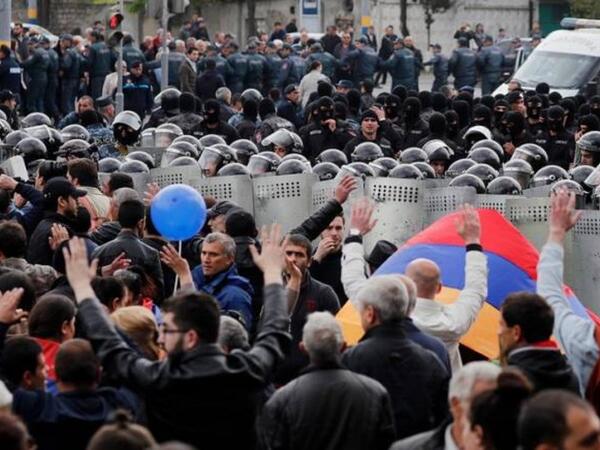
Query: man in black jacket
[
  {"x": 357, "y": 407},
  {"x": 60, "y": 206},
  {"x": 210, "y": 80},
  {"x": 131, "y": 218},
  {"x": 137, "y": 91},
  {"x": 524, "y": 333},
  {"x": 415, "y": 378},
  {"x": 198, "y": 395}
]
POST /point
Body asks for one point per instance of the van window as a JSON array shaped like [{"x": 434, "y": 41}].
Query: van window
[{"x": 559, "y": 70}]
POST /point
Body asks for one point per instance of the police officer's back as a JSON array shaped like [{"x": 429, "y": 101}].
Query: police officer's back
[
  {"x": 490, "y": 61},
  {"x": 401, "y": 66},
  {"x": 463, "y": 65}
]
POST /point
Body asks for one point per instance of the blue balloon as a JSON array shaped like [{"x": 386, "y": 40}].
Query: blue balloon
[{"x": 178, "y": 212}]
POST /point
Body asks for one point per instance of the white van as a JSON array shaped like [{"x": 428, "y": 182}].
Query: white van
[{"x": 568, "y": 60}]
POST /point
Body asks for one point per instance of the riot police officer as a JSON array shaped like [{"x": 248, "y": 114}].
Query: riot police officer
[
  {"x": 36, "y": 67},
  {"x": 490, "y": 62},
  {"x": 50, "y": 98},
  {"x": 99, "y": 63},
  {"x": 257, "y": 68},
  {"x": 239, "y": 68},
  {"x": 401, "y": 66},
  {"x": 439, "y": 62},
  {"x": 462, "y": 65},
  {"x": 69, "y": 64},
  {"x": 273, "y": 71},
  {"x": 363, "y": 60},
  {"x": 556, "y": 140}
]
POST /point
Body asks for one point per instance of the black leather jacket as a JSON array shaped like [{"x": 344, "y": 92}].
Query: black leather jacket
[{"x": 202, "y": 397}]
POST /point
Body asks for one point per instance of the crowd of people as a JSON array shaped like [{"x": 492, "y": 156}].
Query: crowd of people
[{"x": 113, "y": 338}]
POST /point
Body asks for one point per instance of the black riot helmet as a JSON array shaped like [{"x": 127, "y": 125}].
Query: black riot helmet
[
  {"x": 183, "y": 161},
  {"x": 49, "y": 136},
  {"x": 211, "y": 139},
  {"x": 469, "y": 180},
  {"x": 504, "y": 186},
  {"x": 520, "y": 170},
  {"x": 358, "y": 169},
  {"x": 571, "y": 186},
  {"x": 251, "y": 94},
  {"x": 296, "y": 157},
  {"x": 144, "y": 157},
  {"x": 533, "y": 154},
  {"x": 580, "y": 174},
  {"x": 366, "y": 152},
  {"x": 413, "y": 154},
  {"x": 127, "y": 127},
  {"x": 437, "y": 150},
  {"x": 475, "y": 134},
  {"x": 74, "y": 131},
  {"x": 108, "y": 165},
  {"x": 283, "y": 141},
  {"x": 5, "y": 128},
  {"x": 491, "y": 144},
  {"x": 244, "y": 149},
  {"x": 190, "y": 140},
  {"x": 548, "y": 175},
  {"x": 425, "y": 169},
  {"x": 165, "y": 134},
  {"x": 34, "y": 119},
  {"x": 14, "y": 137},
  {"x": 134, "y": 166},
  {"x": 264, "y": 162},
  {"x": 212, "y": 159},
  {"x": 168, "y": 100},
  {"x": 233, "y": 169},
  {"x": 484, "y": 155},
  {"x": 326, "y": 170},
  {"x": 31, "y": 149},
  {"x": 231, "y": 156},
  {"x": 382, "y": 166},
  {"x": 332, "y": 155},
  {"x": 406, "y": 171},
  {"x": 590, "y": 143},
  {"x": 176, "y": 150},
  {"x": 459, "y": 167},
  {"x": 484, "y": 172},
  {"x": 75, "y": 148},
  {"x": 293, "y": 167}
]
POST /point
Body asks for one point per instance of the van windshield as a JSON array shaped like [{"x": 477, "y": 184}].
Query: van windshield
[{"x": 559, "y": 70}]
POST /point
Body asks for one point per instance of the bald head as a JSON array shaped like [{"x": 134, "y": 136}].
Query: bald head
[{"x": 426, "y": 275}]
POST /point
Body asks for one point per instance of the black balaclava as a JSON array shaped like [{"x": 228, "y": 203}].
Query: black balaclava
[
  {"x": 488, "y": 101},
  {"x": 439, "y": 102},
  {"x": 569, "y": 105},
  {"x": 452, "y": 124},
  {"x": 499, "y": 114},
  {"x": 412, "y": 93},
  {"x": 595, "y": 105},
  {"x": 554, "y": 118},
  {"x": 266, "y": 107},
  {"x": 554, "y": 98},
  {"x": 341, "y": 110},
  {"x": 464, "y": 114},
  {"x": 425, "y": 98},
  {"x": 437, "y": 124},
  {"x": 353, "y": 97},
  {"x": 392, "y": 107},
  {"x": 579, "y": 99},
  {"x": 250, "y": 109},
  {"x": 400, "y": 92},
  {"x": 381, "y": 98},
  {"x": 534, "y": 107},
  {"x": 467, "y": 97},
  {"x": 542, "y": 88},
  {"x": 514, "y": 124},
  {"x": 411, "y": 109},
  {"x": 212, "y": 110},
  {"x": 324, "y": 89},
  {"x": 482, "y": 115},
  {"x": 584, "y": 110},
  {"x": 326, "y": 109}
]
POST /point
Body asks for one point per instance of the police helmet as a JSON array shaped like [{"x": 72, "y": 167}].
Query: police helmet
[
  {"x": 49, "y": 136},
  {"x": 74, "y": 131},
  {"x": 264, "y": 162},
  {"x": 142, "y": 156},
  {"x": 366, "y": 152},
  {"x": 168, "y": 100},
  {"x": 580, "y": 174},
  {"x": 183, "y": 161},
  {"x": 548, "y": 175},
  {"x": 108, "y": 165},
  {"x": 147, "y": 137},
  {"x": 459, "y": 167},
  {"x": 485, "y": 155},
  {"x": 244, "y": 149},
  {"x": 571, "y": 186},
  {"x": 296, "y": 157},
  {"x": 127, "y": 126},
  {"x": 491, "y": 144},
  {"x": 5, "y": 128},
  {"x": 484, "y": 172},
  {"x": 209, "y": 140},
  {"x": 425, "y": 169},
  {"x": 358, "y": 169},
  {"x": 469, "y": 180},
  {"x": 185, "y": 148},
  {"x": 292, "y": 167},
  {"x": 134, "y": 166},
  {"x": 3, "y": 115},
  {"x": 212, "y": 159},
  {"x": 14, "y": 137},
  {"x": 228, "y": 151},
  {"x": 437, "y": 150},
  {"x": 382, "y": 166},
  {"x": 190, "y": 140},
  {"x": 533, "y": 154},
  {"x": 75, "y": 148},
  {"x": 413, "y": 154},
  {"x": 282, "y": 138},
  {"x": 504, "y": 185},
  {"x": 36, "y": 118},
  {"x": 176, "y": 150},
  {"x": 31, "y": 149},
  {"x": 165, "y": 134},
  {"x": 332, "y": 155},
  {"x": 326, "y": 170},
  {"x": 233, "y": 169},
  {"x": 251, "y": 94},
  {"x": 406, "y": 171},
  {"x": 596, "y": 198},
  {"x": 589, "y": 142},
  {"x": 476, "y": 134},
  {"x": 520, "y": 170}
]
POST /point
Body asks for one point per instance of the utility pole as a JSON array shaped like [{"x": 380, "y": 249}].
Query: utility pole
[
  {"x": 5, "y": 16},
  {"x": 403, "y": 28},
  {"x": 164, "y": 57},
  {"x": 114, "y": 23}
]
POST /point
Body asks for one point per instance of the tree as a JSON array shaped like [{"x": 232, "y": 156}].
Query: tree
[
  {"x": 432, "y": 7},
  {"x": 585, "y": 9}
]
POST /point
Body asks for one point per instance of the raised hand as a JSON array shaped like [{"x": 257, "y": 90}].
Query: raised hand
[
  {"x": 344, "y": 188},
  {"x": 563, "y": 215},
  {"x": 120, "y": 262},
  {"x": 79, "y": 272},
  {"x": 177, "y": 263},
  {"x": 271, "y": 259},
  {"x": 58, "y": 234},
  {"x": 9, "y": 300},
  {"x": 361, "y": 217},
  {"x": 468, "y": 225}
]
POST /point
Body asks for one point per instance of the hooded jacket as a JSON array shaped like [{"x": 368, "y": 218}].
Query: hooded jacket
[{"x": 233, "y": 292}]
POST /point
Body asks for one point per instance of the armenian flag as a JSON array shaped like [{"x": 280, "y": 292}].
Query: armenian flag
[{"x": 512, "y": 266}]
